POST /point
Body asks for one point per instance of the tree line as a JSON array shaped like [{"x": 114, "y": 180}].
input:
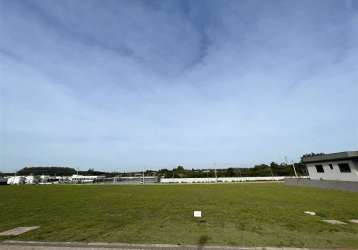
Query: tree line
[{"x": 273, "y": 169}]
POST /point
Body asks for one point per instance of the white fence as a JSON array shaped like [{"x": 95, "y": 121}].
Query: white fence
[{"x": 223, "y": 179}]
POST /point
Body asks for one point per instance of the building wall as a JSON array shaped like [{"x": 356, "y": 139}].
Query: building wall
[{"x": 335, "y": 173}]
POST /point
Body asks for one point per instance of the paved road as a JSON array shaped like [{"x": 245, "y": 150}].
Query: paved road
[{"x": 21, "y": 245}]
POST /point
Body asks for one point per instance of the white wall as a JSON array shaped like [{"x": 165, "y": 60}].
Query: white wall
[
  {"x": 335, "y": 173},
  {"x": 221, "y": 179}
]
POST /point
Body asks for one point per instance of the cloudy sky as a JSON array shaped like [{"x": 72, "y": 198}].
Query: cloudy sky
[{"x": 125, "y": 85}]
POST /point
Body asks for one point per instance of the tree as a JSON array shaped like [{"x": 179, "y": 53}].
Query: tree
[
  {"x": 180, "y": 168},
  {"x": 230, "y": 172},
  {"x": 52, "y": 170},
  {"x": 310, "y": 155}
]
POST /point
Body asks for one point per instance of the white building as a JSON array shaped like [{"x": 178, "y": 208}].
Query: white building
[
  {"x": 31, "y": 180},
  {"x": 341, "y": 166},
  {"x": 16, "y": 180},
  {"x": 86, "y": 179},
  {"x": 3, "y": 181}
]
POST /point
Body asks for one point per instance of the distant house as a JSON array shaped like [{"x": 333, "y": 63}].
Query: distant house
[
  {"x": 86, "y": 179},
  {"x": 341, "y": 166},
  {"x": 16, "y": 180},
  {"x": 3, "y": 181}
]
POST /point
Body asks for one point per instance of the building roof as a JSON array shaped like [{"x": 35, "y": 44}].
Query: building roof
[{"x": 348, "y": 155}]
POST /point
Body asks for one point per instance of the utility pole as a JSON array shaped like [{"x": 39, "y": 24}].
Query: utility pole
[
  {"x": 293, "y": 166},
  {"x": 143, "y": 175},
  {"x": 216, "y": 175},
  {"x": 294, "y": 169},
  {"x": 271, "y": 171}
]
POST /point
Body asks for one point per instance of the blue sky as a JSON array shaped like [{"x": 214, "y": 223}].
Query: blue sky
[{"x": 125, "y": 85}]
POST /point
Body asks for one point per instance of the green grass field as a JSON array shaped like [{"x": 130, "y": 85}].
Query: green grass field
[{"x": 234, "y": 214}]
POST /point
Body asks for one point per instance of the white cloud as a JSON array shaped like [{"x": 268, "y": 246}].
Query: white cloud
[{"x": 130, "y": 83}]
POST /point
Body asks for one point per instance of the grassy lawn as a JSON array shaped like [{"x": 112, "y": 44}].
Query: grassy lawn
[{"x": 234, "y": 214}]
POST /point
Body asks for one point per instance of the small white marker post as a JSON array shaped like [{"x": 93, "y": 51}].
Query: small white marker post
[{"x": 197, "y": 214}]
